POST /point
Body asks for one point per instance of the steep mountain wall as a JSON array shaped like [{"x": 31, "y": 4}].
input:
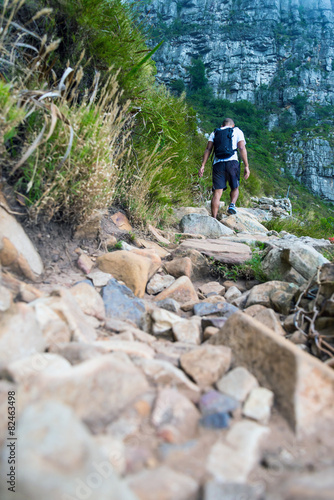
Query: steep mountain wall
[{"x": 249, "y": 46}]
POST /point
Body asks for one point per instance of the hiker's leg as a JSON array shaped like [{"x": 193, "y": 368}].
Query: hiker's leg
[
  {"x": 217, "y": 194},
  {"x": 234, "y": 195},
  {"x": 233, "y": 177}
]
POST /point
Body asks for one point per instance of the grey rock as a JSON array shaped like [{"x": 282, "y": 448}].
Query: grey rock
[
  {"x": 258, "y": 404},
  {"x": 188, "y": 330},
  {"x": 180, "y": 212},
  {"x": 303, "y": 386},
  {"x": 163, "y": 321},
  {"x": 214, "y": 321},
  {"x": 313, "y": 485},
  {"x": 158, "y": 283},
  {"x": 169, "y": 304},
  {"x": 233, "y": 460},
  {"x": 238, "y": 383},
  {"x": 99, "y": 278},
  {"x": 121, "y": 303},
  {"x": 76, "y": 352},
  {"x": 215, "y": 421},
  {"x": 206, "y": 364},
  {"x": 215, "y": 402},
  {"x": 172, "y": 351},
  {"x": 218, "y": 491},
  {"x": 24, "y": 370},
  {"x": 222, "y": 249},
  {"x": 5, "y": 299},
  {"x": 291, "y": 253},
  {"x": 164, "y": 374},
  {"x": 223, "y": 309},
  {"x": 212, "y": 287},
  {"x": 232, "y": 294},
  {"x": 175, "y": 416},
  {"x": 205, "y": 225}
]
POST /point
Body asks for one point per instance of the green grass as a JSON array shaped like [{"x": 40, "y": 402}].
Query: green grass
[
  {"x": 315, "y": 227},
  {"x": 251, "y": 269}
]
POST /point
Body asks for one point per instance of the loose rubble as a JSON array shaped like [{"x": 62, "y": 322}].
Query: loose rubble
[{"x": 144, "y": 377}]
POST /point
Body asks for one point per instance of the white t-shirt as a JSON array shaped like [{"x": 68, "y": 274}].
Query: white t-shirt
[{"x": 237, "y": 136}]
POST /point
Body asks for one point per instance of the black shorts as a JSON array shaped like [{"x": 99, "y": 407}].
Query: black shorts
[{"x": 225, "y": 171}]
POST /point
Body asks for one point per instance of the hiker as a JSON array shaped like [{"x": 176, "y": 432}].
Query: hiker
[{"x": 225, "y": 140}]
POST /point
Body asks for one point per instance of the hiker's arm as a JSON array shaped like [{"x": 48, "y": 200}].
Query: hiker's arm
[
  {"x": 207, "y": 153},
  {"x": 243, "y": 154}
]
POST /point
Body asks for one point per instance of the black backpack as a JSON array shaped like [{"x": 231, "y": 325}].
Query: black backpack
[{"x": 222, "y": 143}]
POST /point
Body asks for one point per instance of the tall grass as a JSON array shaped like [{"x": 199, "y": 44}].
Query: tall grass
[
  {"x": 70, "y": 143},
  {"x": 315, "y": 227},
  {"x": 79, "y": 142}
]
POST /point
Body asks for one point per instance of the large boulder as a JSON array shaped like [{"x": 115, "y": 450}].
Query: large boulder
[
  {"x": 133, "y": 269},
  {"x": 244, "y": 222},
  {"x": 221, "y": 250},
  {"x": 205, "y": 225},
  {"x": 278, "y": 295},
  {"x": 180, "y": 212},
  {"x": 120, "y": 303},
  {"x": 293, "y": 259},
  {"x": 179, "y": 267},
  {"x": 200, "y": 265},
  {"x": 303, "y": 385},
  {"x": 16, "y": 250}
]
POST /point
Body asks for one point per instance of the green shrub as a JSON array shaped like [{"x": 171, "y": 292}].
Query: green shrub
[
  {"x": 299, "y": 103},
  {"x": 177, "y": 86},
  {"x": 251, "y": 269}
]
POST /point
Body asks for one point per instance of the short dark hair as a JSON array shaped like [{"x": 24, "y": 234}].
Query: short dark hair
[{"x": 228, "y": 121}]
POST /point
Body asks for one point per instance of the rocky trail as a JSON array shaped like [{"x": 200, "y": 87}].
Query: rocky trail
[{"x": 134, "y": 374}]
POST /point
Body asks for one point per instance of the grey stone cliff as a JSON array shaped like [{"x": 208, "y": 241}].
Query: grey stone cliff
[{"x": 249, "y": 46}]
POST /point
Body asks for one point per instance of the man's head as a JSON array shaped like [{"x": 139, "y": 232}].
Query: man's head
[{"x": 228, "y": 122}]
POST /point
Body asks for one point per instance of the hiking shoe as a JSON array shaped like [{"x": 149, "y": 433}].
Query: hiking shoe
[{"x": 231, "y": 209}]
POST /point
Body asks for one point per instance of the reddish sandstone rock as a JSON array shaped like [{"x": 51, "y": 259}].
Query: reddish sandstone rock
[
  {"x": 179, "y": 267},
  {"x": 181, "y": 290},
  {"x": 134, "y": 270}
]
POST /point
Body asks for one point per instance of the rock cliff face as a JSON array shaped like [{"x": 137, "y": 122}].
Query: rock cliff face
[
  {"x": 284, "y": 47},
  {"x": 268, "y": 52},
  {"x": 310, "y": 160}
]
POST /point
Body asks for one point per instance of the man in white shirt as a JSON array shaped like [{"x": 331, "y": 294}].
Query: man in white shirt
[{"x": 226, "y": 167}]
